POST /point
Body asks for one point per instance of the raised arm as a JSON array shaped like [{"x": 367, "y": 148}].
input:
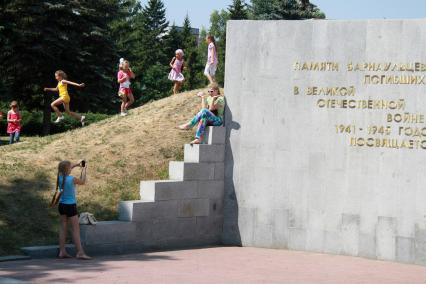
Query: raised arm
[
  {"x": 82, "y": 179},
  {"x": 73, "y": 83},
  {"x": 132, "y": 75},
  {"x": 51, "y": 89}
]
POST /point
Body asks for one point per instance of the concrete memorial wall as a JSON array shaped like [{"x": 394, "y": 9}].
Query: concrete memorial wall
[{"x": 326, "y": 137}]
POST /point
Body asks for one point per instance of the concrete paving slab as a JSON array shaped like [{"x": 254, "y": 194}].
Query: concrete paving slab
[{"x": 216, "y": 265}]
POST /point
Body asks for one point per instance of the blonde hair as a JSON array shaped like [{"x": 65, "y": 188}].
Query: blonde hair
[
  {"x": 62, "y": 74},
  {"x": 122, "y": 62},
  {"x": 215, "y": 86},
  {"x": 179, "y": 51},
  {"x": 63, "y": 168}
]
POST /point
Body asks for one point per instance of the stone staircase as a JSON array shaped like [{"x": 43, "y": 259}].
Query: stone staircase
[{"x": 184, "y": 211}]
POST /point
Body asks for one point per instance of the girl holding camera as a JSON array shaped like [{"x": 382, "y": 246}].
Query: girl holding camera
[{"x": 68, "y": 206}]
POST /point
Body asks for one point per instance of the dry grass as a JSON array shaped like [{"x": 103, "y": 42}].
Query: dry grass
[{"x": 120, "y": 152}]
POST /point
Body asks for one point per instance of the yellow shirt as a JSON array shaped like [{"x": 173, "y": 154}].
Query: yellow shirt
[{"x": 63, "y": 91}]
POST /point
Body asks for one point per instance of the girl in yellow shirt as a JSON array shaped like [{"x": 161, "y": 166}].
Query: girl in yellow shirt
[{"x": 64, "y": 97}]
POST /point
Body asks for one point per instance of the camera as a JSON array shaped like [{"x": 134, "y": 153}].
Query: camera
[{"x": 83, "y": 163}]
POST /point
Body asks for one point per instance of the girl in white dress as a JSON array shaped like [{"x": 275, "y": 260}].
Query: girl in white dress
[{"x": 175, "y": 75}]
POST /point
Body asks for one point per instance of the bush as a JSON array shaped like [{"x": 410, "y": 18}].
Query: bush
[{"x": 32, "y": 122}]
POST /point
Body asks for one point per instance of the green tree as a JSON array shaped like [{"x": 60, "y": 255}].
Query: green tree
[
  {"x": 284, "y": 9},
  {"x": 173, "y": 41},
  {"x": 151, "y": 64},
  {"x": 46, "y": 36},
  {"x": 193, "y": 67},
  {"x": 238, "y": 10}
]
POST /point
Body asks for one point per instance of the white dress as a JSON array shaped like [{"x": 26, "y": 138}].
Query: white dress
[{"x": 176, "y": 72}]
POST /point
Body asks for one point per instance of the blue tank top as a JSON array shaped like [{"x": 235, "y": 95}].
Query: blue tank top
[{"x": 68, "y": 192}]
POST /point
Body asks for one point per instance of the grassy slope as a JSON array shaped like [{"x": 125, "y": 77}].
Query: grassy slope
[{"x": 120, "y": 152}]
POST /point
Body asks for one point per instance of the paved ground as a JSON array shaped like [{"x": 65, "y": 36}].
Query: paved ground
[{"x": 216, "y": 265}]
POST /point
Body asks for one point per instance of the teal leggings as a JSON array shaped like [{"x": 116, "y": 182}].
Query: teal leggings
[{"x": 204, "y": 118}]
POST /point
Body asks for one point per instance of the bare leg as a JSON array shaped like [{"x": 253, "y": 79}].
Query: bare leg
[
  {"x": 130, "y": 101},
  {"x": 175, "y": 88},
  {"x": 63, "y": 237},
  {"x": 76, "y": 237},
  {"x": 123, "y": 103},
  {"x": 54, "y": 105},
  {"x": 73, "y": 114}
]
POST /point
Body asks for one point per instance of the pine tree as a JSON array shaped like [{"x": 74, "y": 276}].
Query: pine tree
[
  {"x": 238, "y": 10},
  {"x": 189, "y": 43},
  {"x": 151, "y": 64},
  {"x": 173, "y": 41},
  {"x": 284, "y": 9},
  {"x": 68, "y": 35}
]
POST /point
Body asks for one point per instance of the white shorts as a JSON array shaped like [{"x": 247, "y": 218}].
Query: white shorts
[{"x": 210, "y": 69}]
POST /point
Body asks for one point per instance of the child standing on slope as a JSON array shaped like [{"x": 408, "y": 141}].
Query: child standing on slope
[
  {"x": 14, "y": 122},
  {"x": 212, "y": 61},
  {"x": 125, "y": 92},
  {"x": 64, "y": 97},
  {"x": 68, "y": 206},
  {"x": 175, "y": 75}
]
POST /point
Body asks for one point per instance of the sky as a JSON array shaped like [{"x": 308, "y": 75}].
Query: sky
[{"x": 199, "y": 10}]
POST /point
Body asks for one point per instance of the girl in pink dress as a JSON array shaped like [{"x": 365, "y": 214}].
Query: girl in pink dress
[
  {"x": 14, "y": 122},
  {"x": 175, "y": 75},
  {"x": 125, "y": 92},
  {"x": 212, "y": 61}
]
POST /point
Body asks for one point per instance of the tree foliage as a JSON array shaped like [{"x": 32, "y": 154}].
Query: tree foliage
[
  {"x": 284, "y": 10},
  {"x": 238, "y": 10}
]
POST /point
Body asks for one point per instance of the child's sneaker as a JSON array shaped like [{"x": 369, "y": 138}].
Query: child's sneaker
[
  {"x": 123, "y": 114},
  {"x": 59, "y": 119},
  {"x": 83, "y": 118}
]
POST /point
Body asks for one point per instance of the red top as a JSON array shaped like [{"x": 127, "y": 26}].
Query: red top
[{"x": 13, "y": 127}]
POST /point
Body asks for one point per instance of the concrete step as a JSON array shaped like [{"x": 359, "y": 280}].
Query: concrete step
[
  {"x": 145, "y": 212},
  {"x": 108, "y": 232},
  {"x": 215, "y": 135},
  {"x": 196, "y": 171},
  {"x": 126, "y": 209},
  {"x": 14, "y": 258},
  {"x": 46, "y": 251},
  {"x": 177, "y": 190},
  {"x": 168, "y": 190},
  {"x": 204, "y": 153}
]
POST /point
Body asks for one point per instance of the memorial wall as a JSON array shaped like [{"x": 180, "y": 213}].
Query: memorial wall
[{"x": 326, "y": 137}]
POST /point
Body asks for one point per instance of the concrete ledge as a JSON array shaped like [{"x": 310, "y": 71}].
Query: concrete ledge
[
  {"x": 145, "y": 212},
  {"x": 215, "y": 135},
  {"x": 14, "y": 258},
  {"x": 126, "y": 209},
  {"x": 196, "y": 171},
  {"x": 168, "y": 190},
  {"x": 46, "y": 251},
  {"x": 108, "y": 232},
  {"x": 204, "y": 153}
]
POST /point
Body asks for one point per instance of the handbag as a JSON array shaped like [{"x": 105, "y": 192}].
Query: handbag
[{"x": 87, "y": 218}]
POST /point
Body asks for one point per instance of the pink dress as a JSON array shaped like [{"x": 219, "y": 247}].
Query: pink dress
[
  {"x": 13, "y": 127},
  {"x": 124, "y": 86},
  {"x": 176, "y": 72}
]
